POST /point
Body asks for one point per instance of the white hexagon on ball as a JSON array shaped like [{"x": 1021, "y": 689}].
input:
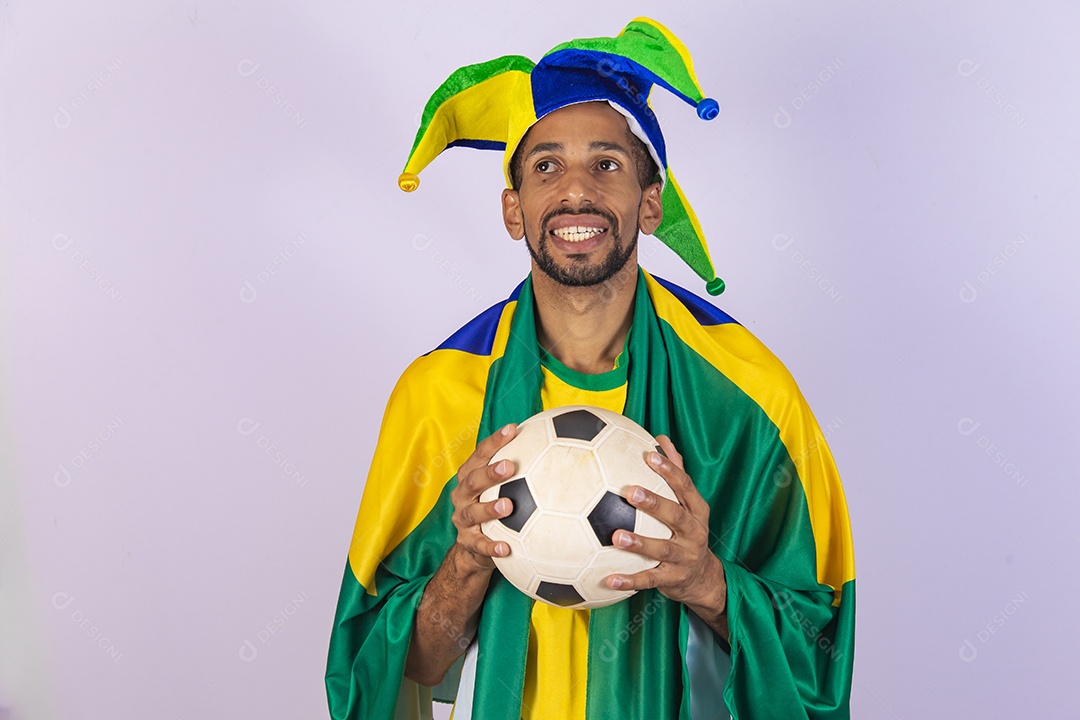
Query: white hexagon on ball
[{"x": 571, "y": 478}]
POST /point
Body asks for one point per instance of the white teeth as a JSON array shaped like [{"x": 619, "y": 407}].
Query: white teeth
[{"x": 577, "y": 233}]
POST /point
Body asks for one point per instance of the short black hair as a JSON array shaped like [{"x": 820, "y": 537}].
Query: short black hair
[{"x": 643, "y": 160}]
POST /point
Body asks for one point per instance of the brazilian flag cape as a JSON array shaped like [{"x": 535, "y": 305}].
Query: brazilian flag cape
[{"x": 778, "y": 523}]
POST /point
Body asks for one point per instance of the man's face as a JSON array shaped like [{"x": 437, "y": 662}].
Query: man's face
[{"x": 580, "y": 205}]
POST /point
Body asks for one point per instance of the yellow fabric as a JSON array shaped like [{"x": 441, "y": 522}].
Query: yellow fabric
[
  {"x": 556, "y": 668},
  {"x": 744, "y": 360},
  {"x": 557, "y": 665},
  {"x": 436, "y": 439}
]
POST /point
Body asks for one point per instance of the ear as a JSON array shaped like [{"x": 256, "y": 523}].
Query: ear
[
  {"x": 512, "y": 217},
  {"x": 651, "y": 210}
]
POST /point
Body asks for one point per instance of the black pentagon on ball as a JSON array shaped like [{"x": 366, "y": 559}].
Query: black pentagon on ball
[
  {"x": 577, "y": 424},
  {"x": 611, "y": 514},
  {"x": 559, "y": 594},
  {"x": 524, "y": 505}
]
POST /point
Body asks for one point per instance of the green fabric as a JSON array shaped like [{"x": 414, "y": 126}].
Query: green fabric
[{"x": 791, "y": 649}]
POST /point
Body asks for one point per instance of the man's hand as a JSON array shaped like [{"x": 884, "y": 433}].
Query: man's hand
[
  {"x": 474, "y": 477},
  {"x": 689, "y": 572}
]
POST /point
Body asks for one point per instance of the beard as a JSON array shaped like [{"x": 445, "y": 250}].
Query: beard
[{"x": 580, "y": 272}]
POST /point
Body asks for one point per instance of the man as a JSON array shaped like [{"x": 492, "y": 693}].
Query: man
[{"x": 753, "y": 597}]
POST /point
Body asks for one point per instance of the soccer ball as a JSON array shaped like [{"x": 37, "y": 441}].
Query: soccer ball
[{"x": 571, "y": 466}]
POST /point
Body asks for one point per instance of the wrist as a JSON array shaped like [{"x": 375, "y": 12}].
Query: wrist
[
  {"x": 712, "y": 605},
  {"x": 467, "y": 566}
]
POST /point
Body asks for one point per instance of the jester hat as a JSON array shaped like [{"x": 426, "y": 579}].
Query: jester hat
[{"x": 492, "y": 105}]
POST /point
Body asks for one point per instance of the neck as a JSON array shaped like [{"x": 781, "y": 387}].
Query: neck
[{"x": 585, "y": 327}]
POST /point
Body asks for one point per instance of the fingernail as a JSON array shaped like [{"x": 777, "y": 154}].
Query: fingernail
[
  {"x": 638, "y": 495},
  {"x": 624, "y": 540},
  {"x": 655, "y": 460},
  {"x": 502, "y": 506},
  {"x": 616, "y": 583},
  {"x": 505, "y": 431},
  {"x": 503, "y": 550},
  {"x": 502, "y": 467}
]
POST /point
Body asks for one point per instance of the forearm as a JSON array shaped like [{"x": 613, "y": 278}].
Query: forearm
[
  {"x": 446, "y": 618},
  {"x": 712, "y": 606}
]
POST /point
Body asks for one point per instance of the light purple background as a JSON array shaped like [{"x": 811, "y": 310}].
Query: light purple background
[{"x": 205, "y": 253}]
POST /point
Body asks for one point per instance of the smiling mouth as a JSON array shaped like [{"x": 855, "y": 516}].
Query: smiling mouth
[{"x": 577, "y": 233}]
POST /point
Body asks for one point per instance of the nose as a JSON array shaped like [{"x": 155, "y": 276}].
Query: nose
[{"x": 578, "y": 186}]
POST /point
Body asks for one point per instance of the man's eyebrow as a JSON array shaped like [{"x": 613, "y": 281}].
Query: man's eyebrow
[
  {"x": 545, "y": 147},
  {"x": 608, "y": 146},
  {"x": 595, "y": 145}
]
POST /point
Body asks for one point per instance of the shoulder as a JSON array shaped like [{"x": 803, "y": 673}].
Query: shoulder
[
  {"x": 460, "y": 364},
  {"x": 703, "y": 311},
  {"x": 719, "y": 339}
]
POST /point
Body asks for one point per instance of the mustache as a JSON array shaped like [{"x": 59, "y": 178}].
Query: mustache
[{"x": 613, "y": 222}]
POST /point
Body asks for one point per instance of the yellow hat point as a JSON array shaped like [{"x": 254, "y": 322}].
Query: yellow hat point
[{"x": 408, "y": 181}]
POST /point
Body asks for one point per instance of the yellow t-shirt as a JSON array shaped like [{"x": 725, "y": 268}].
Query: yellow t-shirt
[{"x": 557, "y": 665}]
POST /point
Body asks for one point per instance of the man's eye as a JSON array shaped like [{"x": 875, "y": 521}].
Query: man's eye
[
  {"x": 545, "y": 166},
  {"x": 608, "y": 165}
]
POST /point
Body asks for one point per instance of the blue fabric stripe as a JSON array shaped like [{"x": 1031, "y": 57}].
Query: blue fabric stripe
[
  {"x": 478, "y": 335},
  {"x": 703, "y": 311},
  {"x": 478, "y": 144}
]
